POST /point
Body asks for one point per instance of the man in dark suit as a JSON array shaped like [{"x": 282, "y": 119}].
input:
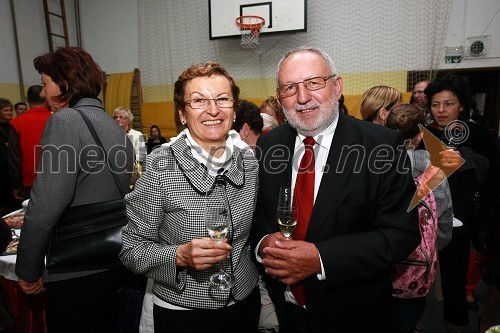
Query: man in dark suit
[{"x": 342, "y": 252}]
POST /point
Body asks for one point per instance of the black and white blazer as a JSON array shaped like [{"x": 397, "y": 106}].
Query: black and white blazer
[{"x": 166, "y": 209}]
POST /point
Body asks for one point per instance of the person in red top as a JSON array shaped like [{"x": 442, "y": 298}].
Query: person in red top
[{"x": 25, "y": 138}]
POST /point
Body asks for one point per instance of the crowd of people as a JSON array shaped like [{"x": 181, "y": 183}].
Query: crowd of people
[{"x": 354, "y": 184}]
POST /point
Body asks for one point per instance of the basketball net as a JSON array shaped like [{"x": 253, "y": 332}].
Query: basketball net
[{"x": 250, "y": 30}]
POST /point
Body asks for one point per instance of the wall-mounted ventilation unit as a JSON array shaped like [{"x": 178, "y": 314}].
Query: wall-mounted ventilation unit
[{"x": 477, "y": 46}]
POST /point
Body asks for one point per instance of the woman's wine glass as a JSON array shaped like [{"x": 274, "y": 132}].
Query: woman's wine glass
[
  {"x": 449, "y": 144},
  {"x": 453, "y": 135},
  {"x": 217, "y": 222},
  {"x": 286, "y": 213}
]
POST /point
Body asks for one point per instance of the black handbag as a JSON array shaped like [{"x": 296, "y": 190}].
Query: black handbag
[{"x": 89, "y": 236}]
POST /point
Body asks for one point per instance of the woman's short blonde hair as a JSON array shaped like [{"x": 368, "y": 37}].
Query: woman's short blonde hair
[
  {"x": 127, "y": 112},
  {"x": 377, "y": 98}
]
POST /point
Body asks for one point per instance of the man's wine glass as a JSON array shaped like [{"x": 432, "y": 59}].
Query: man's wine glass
[
  {"x": 286, "y": 213},
  {"x": 218, "y": 222}
]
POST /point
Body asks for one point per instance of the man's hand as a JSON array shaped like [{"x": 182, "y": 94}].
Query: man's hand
[
  {"x": 202, "y": 253},
  {"x": 270, "y": 241},
  {"x": 291, "y": 261},
  {"x": 32, "y": 288}
]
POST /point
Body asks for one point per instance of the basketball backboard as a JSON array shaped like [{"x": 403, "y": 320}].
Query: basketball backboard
[{"x": 280, "y": 16}]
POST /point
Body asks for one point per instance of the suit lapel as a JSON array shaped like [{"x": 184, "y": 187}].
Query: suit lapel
[
  {"x": 196, "y": 173},
  {"x": 279, "y": 173},
  {"x": 334, "y": 179},
  {"x": 288, "y": 143}
]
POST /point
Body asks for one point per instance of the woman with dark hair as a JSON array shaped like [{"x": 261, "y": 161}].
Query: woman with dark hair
[
  {"x": 155, "y": 138},
  {"x": 166, "y": 237},
  {"x": 73, "y": 172},
  {"x": 248, "y": 122},
  {"x": 449, "y": 100}
]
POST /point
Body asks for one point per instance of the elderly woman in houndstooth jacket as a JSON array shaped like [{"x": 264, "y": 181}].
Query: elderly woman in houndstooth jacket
[{"x": 166, "y": 238}]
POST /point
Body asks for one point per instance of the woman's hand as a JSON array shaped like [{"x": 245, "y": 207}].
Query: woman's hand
[
  {"x": 450, "y": 159},
  {"x": 202, "y": 253},
  {"x": 32, "y": 288}
]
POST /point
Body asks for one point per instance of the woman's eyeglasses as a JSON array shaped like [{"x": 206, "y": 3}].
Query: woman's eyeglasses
[
  {"x": 203, "y": 103},
  {"x": 119, "y": 117}
]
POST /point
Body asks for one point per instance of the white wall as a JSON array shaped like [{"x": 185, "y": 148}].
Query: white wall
[
  {"x": 32, "y": 40},
  {"x": 8, "y": 66},
  {"x": 110, "y": 34},
  {"x": 474, "y": 18}
]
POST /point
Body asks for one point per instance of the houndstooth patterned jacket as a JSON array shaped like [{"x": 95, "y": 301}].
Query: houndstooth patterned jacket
[{"x": 166, "y": 209}]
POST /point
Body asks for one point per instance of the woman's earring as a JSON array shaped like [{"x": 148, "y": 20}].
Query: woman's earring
[{"x": 183, "y": 122}]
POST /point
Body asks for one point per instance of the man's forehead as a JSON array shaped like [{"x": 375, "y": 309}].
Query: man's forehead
[
  {"x": 309, "y": 58},
  {"x": 420, "y": 86},
  {"x": 303, "y": 65}
]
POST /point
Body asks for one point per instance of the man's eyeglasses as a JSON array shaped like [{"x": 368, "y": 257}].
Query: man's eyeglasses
[
  {"x": 203, "y": 103},
  {"x": 314, "y": 83}
]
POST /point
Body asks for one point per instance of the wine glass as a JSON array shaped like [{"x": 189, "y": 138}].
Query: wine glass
[
  {"x": 217, "y": 222},
  {"x": 286, "y": 213},
  {"x": 449, "y": 141},
  {"x": 449, "y": 144}
]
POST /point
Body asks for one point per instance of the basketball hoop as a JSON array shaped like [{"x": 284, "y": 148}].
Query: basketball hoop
[{"x": 249, "y": 26}]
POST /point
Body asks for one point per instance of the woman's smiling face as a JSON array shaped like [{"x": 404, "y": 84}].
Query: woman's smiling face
[{"x": 209, "y": 126}]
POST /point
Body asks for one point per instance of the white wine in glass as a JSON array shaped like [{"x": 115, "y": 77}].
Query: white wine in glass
[
  {"x": 217, "y": 222},
  {"x": 287, "y": 221},
  {"x": 286, "y": 213},
  {"x": 217, "y": 232},
  {"x": 448, "y": 141}
]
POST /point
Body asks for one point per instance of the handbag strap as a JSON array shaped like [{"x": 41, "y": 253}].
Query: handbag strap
[{"x": 99, "y": 143}]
